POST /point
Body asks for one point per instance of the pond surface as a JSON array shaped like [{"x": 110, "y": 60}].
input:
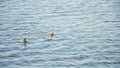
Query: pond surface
[{"x": 87, "y": 33}]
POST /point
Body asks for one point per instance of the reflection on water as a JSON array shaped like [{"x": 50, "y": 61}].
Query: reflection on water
[{"x": 87, "y": 33}]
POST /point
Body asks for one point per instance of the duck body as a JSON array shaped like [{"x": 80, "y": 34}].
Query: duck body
[
  {"x": 51, "y": 34},
  {"x": 22, "y": 40}
]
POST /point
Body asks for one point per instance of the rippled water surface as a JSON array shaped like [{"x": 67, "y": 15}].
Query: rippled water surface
[{"x": 87, "y": 33}]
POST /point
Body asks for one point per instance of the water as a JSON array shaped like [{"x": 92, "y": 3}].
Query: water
[{"x": 87, "y": 33}]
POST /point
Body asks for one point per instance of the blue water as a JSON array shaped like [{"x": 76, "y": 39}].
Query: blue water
[{"x": 87, "y": 33}]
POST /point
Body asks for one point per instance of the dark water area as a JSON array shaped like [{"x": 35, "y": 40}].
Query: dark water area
[{"x": 87, "y": 33}]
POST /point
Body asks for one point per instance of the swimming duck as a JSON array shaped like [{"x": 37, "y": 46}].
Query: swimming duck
[
  {"x": 50, "y": 35},
  {"x": 22, "y": 40}
]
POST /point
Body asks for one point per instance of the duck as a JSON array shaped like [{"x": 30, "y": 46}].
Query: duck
[
  {"x": 22, "y": 40},
  {"x": 50, "y": 35}
]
